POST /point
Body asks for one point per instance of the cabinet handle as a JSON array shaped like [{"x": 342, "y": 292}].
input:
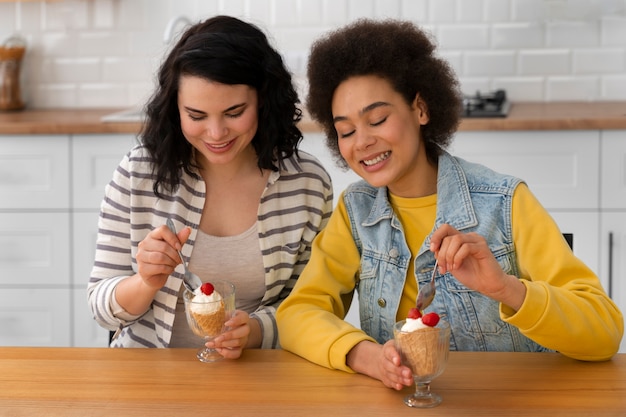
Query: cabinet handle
[{"x": 610, "y": 264}]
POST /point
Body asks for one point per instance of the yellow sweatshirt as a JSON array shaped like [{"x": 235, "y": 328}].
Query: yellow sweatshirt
[{"x": 565, "y": 308}]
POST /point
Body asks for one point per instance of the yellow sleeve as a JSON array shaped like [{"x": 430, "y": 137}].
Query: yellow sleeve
[
  {"x": 310, "y": 320},
  {"x": 565, "y": 308}
]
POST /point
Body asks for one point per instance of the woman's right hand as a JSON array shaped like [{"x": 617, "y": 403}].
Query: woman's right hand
[{"x": 157, "y": 255}]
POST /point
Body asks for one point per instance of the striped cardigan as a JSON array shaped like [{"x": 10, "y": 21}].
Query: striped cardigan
[{"x": 294, "y": 207}]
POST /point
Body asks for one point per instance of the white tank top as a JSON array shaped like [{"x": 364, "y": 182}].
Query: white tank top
[{"x": 236, "y": 259}]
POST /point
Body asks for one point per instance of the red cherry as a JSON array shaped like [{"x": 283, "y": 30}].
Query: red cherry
[
  {"x": 430, "y": 319},
  {"x": 207, "y": 288},
  {"x": 414, "y": 313}
]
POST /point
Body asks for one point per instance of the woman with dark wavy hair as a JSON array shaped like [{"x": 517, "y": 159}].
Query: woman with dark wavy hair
[
  {"x": 219, "y": 155},
  {"x": 389, "y": 107}
]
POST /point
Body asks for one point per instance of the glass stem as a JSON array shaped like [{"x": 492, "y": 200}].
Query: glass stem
[{"x": 422, "y": 389}]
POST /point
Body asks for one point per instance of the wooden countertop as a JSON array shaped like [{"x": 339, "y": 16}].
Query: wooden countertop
[
  {"x": 94, "y": 382},
  {"x": 522, "y": 116}
]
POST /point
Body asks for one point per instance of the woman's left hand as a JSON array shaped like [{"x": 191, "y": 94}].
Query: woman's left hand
[{"x": 231, "y": 343}]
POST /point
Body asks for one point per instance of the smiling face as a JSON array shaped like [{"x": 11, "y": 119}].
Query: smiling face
[
  {"x": 218, "y": 120},
  {"x": 379, "y": 136}
]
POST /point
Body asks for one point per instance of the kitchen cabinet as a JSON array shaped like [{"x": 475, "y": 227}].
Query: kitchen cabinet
[
  {"x": 562, "y": 169},
  {"x": 613, "y": 218},
  {"x": 51, "y": 187}
]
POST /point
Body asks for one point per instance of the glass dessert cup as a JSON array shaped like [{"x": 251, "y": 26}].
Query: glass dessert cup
[
  {"x": 426, "y": 353},
  {"x": 206, "y": 319}
]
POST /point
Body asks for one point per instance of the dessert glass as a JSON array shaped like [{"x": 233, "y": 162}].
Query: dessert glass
[
  {"x": 425, "y": 352},
  {"x": 211, "y": 325}
]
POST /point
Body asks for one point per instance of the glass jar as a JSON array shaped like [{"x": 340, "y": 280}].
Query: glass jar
[{"x": 11, "y": 55}]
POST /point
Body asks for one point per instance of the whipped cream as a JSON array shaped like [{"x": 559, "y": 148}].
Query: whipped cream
[
  {"x": 205, "y": 304},
  {"x": 411, "y": 325}
]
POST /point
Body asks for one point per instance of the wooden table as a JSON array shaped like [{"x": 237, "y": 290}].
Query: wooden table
[{"x": 172, "y": 382}]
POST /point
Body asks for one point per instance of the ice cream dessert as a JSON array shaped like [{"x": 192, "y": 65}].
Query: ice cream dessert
[
  {"x": 208, "y": 310},
  {"x": 419, "y": 340}
]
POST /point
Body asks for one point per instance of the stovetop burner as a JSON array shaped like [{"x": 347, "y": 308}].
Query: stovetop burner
[{"x": 493, "y": 104}]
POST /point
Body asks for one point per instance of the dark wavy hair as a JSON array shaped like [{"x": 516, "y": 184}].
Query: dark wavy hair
[
  {"x": 229, "y": 51},
  {"x": 397, "y": 51}
]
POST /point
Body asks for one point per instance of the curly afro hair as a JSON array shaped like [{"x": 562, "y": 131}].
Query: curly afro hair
[{"x": 397, "y": 51}]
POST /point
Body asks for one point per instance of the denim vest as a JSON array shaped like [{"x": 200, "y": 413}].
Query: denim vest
[{"x": 471, "y": 198}]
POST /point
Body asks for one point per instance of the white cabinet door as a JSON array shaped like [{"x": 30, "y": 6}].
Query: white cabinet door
[
  {"x": 34, "y": 171},
  {"x": 94, "y": 158},
  {"x": 560, "y": 167},
  {"x": 585, "y": 230},
  {"x": 35, "y": 249},
  {"x": 315, "y": 144},
  {"x": 86, "y": 332},
  {"x": 613, "y": 264},
  {"x": 35, "y": 317},
  {"x": 613, "y": 174}
]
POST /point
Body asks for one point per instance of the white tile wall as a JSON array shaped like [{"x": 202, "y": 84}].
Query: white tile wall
[{"x": 104, "y": 53}]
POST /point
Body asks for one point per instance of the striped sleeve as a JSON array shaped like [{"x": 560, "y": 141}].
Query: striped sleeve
[{"x": 295, "y": 207}]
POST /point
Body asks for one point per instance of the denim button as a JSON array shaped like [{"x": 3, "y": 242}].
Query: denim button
[
  {"x": 393, "y": 253},
  {"x": 382, "y": 302}
]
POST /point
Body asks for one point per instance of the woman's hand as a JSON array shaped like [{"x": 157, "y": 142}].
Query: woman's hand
[
  {"x": 231, "y": 343},
  {"x": 468, "y": 257},
  {"x": 156, "y": 260},
  {"x": 157, "y": 255},
  {"x": 380, "y": 362}
]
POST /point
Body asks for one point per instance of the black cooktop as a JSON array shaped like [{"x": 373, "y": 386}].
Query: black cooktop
[{"x": 491, "y": 104}]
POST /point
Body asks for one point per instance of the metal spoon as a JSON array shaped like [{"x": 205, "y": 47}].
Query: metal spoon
[
  {"x": 427, "y": 292},
  {"x": 191, "y": 280}
]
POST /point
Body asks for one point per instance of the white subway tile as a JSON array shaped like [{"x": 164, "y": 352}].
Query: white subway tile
[
  {"x": 335, "y": 12},
  {"x": 536, "y": 49},
  {"x": 103, "y": 14},
  {"x": 442, "y": 11},
  {"x": 497, "y": 11},
  {"x": 361, "y": 8},
  {"x": 613, "y": 31},
  {"x": 234, "y": 8},
  {"x": 285, "y": 13},
  {"x": 573, "y": 34},
  {"x": 387, "y": 9},
  {"x": 518, "y": 35},
  {"x": 29, "y": 17},
  {"x": 470, "y": 11},
  {"x": 124, "y": 70},
  {"x": 140, "y": 93},
  {"x": 103, "y": 44},
  {"x": 103, "y": 95},
  {"x": 8, "y": 20},
  {"x": 49, "y": 96},
  {"x": 494, "y": 63},
  {"x": 463, "y": 36},
  {"x": 70, "y": 70},
  {"x": 259, "y": 12},
  {"x": 521, "y": 88},
  {"x": 613, "y": 87},
  {"x": 545, "y": 62},
  {"x": 65, "y": 15},
  {"x": 527, "y": 10},
  {"x": 58, "y": 44},
  {"x": 599, "y": 61},
  {"x": 310, "y": 12},
  {"x": 572, "y": 88},
  {"x": 454, "y": 59},
  {"x": 415, "y": 10},
  {"x": 470, "y": 86}
]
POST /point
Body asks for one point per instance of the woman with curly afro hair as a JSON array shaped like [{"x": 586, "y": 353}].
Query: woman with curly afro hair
[
  {"x": 506, "y": 278},
  {"x": 219, "y": 156}
]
